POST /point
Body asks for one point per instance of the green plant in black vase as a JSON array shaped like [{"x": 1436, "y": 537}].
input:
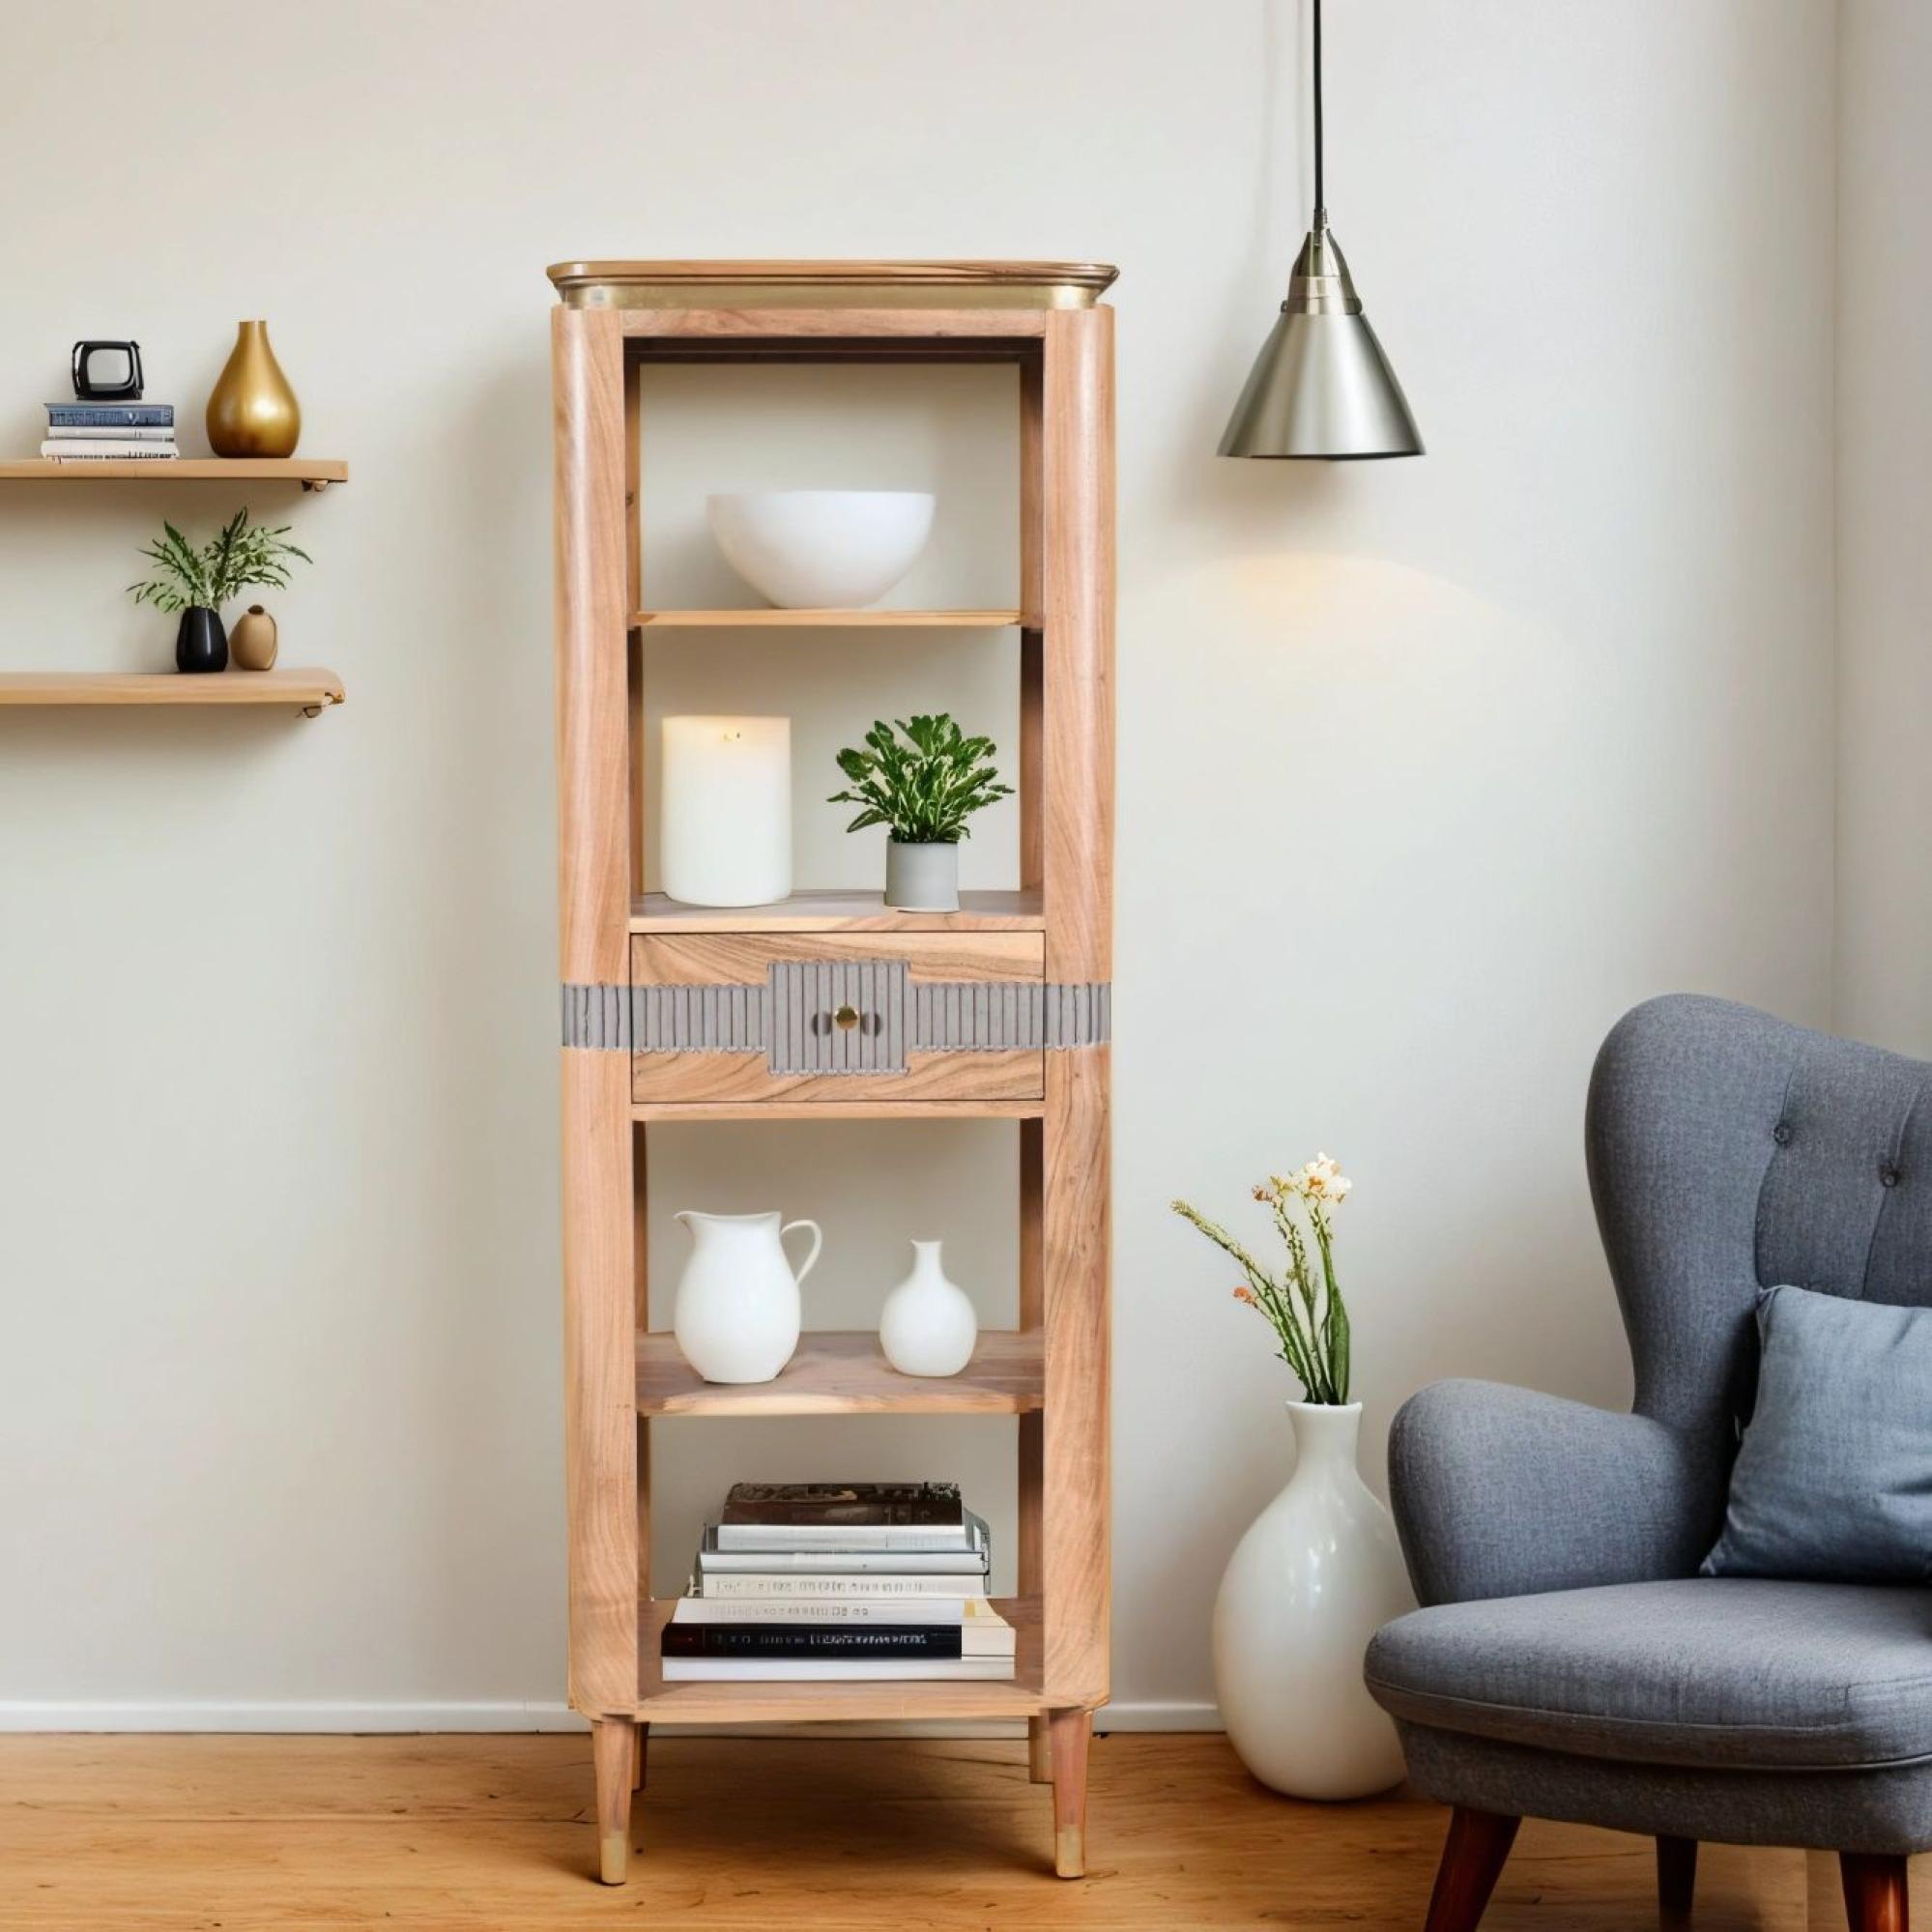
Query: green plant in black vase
[{"x": 198, "y": 582}]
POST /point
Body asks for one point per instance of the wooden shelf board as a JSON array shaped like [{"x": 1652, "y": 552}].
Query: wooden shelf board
[
  {"x": 303, "y": 690},
  {"x": 689, "y": 1111},
  {"x": 835, "y": 1701},
  {"x": 842, "y": 912},
  {"x": 840, "y": 1372},
  {"x": 869, "y": 618},
  {"x": 311, "y": 470}
]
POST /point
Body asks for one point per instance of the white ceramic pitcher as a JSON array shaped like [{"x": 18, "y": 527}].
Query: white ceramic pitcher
[{"x": 738, "y": 1312}]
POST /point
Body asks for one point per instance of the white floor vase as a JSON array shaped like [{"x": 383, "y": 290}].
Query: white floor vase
[{"x": 1317, "y": 1574}]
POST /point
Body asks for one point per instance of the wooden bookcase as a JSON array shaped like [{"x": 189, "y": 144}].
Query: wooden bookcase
[{"x": 1054, "y": 934}]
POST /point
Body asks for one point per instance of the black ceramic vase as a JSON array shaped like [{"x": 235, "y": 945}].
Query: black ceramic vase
[{"x": 200, "y": 643}]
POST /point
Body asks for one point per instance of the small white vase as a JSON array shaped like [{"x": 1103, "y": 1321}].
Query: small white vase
[
  {"x": 1317, "y": 1574},
  {"x": 927, "y": 1326},
  {"x": 737, "y": 1314}
]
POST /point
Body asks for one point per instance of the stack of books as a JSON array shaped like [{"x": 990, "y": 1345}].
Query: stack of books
[
  {"x": 801, "y": 1581},
  {"x": 109, "y": 432}
]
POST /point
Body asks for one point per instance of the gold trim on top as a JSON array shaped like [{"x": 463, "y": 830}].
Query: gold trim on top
[{"x": 831, "y": 284}]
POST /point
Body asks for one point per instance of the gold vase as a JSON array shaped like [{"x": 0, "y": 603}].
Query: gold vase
[{"x": 251, "y": 410}]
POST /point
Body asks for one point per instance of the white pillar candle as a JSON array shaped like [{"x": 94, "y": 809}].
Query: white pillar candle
[{"x": 726, "y": 810}]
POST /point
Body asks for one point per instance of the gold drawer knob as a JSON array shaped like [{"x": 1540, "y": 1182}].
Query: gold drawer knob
[{"x": 845, "y": 1019}]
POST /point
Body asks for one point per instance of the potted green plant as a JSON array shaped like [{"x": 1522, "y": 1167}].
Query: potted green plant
[
  {"x": 197, "y": 583},
  {"x": 923, "y": 778}
]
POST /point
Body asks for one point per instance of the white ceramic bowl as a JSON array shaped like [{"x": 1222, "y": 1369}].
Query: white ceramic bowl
[{"x": 815, "y": 550}]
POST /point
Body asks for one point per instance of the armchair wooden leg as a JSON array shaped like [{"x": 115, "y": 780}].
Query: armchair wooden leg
[
  {"x": 1472, "y": 1862},
  {"x": 1875, "y": 1898},
  {"x": 1039, "y": 1752},
  {"x": 638, "y": 1745},
  {"x": 612, "y": 1742},
  {"x": 1676, "y": 1882}
]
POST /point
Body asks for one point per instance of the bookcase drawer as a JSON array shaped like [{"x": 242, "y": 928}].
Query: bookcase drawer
[{"x": 838, "y": 1016}]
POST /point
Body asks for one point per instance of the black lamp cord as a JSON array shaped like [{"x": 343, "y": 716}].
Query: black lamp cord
[{"x": 1320, "y": 206}]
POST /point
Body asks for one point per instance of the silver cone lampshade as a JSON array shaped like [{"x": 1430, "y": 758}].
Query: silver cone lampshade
[{"x": 1321, "y": 386}]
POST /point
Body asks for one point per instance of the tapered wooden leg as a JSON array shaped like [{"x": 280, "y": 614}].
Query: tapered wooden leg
[
  {"x": 1676, "y": 1882},
  {"x": 639, "y": 1739},
  {"x": 1071, "y": 1733},
  {"x": 1039, "y": 1752},
  {"x": 612, "y": 1742},
  {"x": 1472, "y": 1862},
  {"x": 1875, "y": 1899}
]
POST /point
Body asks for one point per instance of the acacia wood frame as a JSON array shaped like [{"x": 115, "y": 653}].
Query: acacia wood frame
[{"x": 1066, "y": 762}]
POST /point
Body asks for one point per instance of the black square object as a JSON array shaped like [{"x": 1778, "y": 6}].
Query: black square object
[{"x": 107, "y": 371}]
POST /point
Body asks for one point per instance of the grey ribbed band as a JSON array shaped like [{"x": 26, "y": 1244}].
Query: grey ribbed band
[{"x": 789, "y": 1018}]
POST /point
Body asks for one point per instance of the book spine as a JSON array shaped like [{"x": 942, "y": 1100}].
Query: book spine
[
  {"x": 110, "y": 415},
  {"x": 806, "y": 1642},
  {"x": 955, "y": 1564},
  {"x": 822, "y": 1670},
  {"x": 109, "y": 452},
  {"x": 833, "y": 1538},
  {"x": 775, "y": 1587},
  {"x": 125, "y": 432},
  {"x": 842, "y": 1611}
]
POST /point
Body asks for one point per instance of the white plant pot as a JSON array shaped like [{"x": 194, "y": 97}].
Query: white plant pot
[
  {"x": 1317, "y": 1574},
  {"x": 738, "y": 1312},
  {"x": 922, "y": 877},
  {"x": 822, "y": 549},
  {"x": 927, "y": 1326}
]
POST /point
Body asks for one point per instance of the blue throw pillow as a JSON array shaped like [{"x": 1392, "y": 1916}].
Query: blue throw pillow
[{"x": 1833, "y": 1480}]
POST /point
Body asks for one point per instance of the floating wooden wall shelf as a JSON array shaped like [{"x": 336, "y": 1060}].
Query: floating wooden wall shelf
[
  {"x": 306, "y": 691},
  {"x": 1032, "y": 1049},
  {"x": 312, "y": 473}
]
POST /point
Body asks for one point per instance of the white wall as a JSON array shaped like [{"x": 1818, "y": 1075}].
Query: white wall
[
  {"x": 1884, "y": 564},
  {"x": 1426, "y": 769}
]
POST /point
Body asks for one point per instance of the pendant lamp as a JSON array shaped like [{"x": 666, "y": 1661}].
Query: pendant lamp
[{"x": 1321, "y": 386}]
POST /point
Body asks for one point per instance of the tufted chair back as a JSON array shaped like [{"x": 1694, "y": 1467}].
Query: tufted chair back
[{"x": 1731, "y": 1151}]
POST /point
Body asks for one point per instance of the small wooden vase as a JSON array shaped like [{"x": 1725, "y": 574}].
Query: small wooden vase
[
  {"x": 251, "y": 410},
  {"x": 252, "y": 643}
]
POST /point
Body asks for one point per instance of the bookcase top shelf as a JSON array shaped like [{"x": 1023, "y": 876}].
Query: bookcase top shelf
[
  {"x": 807, "y": 284},
  {"x": 312, "y": 473},
  {"x": 840, "y": 1372}
]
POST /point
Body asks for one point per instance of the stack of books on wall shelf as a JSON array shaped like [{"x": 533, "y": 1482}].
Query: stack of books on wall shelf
[
  {"x": 109, "y": 432},
  {"x": 822, "y": 1580}
]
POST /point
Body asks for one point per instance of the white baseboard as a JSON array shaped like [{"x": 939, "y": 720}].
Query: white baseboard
[{"x": 27, "y": 1715}]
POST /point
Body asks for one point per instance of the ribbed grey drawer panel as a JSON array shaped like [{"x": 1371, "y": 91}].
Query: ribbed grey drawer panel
[
  {"x": 1080, "y": 1015},
  {"x": 806, "y": 997},
  {"x": 792, "y": 1018},
  {"x": 700, "y": 1018},
  {"x": 977, "y": 1016},
  {"x": 597, "y": 1017}
]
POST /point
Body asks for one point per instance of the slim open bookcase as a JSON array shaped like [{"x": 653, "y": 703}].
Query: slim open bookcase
[{"x": 621, "y": 947}]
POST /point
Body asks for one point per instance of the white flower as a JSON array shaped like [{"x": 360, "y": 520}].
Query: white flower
[{"x": 1321, "y": 1180}]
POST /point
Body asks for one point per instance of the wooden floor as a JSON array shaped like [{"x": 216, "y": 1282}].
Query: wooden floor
[{"x": 461, "y": 1833}]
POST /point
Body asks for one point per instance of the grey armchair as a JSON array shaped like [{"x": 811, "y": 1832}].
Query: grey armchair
[{"x": 1567, "y": 1662}]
